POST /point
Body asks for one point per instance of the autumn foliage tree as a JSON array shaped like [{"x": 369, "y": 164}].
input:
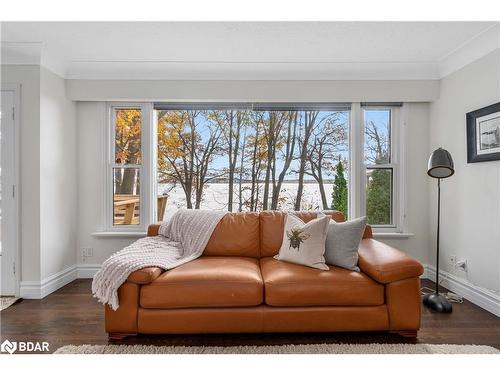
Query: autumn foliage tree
[
  {"x": 127, "y": 149},
  {"x": 185, "y": 155}
]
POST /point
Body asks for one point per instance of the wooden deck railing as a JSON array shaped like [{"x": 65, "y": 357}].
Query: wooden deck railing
[{"x": 126, "y": 209}]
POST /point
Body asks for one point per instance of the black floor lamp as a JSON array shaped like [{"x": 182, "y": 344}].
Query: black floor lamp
[{"x": 440, "y": 166}]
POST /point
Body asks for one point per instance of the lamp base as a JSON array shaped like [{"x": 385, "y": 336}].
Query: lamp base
[{"x": 437, "y": 303}]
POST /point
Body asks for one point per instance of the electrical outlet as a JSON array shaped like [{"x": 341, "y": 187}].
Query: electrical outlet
[
  {"x": 87, "y": 252},
  {"x": 452, "y": 260}
]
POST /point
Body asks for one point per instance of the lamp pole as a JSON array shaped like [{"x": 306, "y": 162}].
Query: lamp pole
[{"x": 437, "y": 236}]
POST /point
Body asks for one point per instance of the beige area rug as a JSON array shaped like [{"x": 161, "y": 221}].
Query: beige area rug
[
  {"x": 282, "y": 349},
  {"x": 6, "y": 302}
]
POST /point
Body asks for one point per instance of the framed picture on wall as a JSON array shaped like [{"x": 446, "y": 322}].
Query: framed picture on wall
[{"x": 483, "y": 134}]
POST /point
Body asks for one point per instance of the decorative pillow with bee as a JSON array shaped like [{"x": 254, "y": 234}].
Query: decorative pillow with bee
[{"x": 304, "y": 243}]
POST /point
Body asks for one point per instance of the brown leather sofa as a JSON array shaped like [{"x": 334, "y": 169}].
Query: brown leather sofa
[{"x": 237, "y": 286}]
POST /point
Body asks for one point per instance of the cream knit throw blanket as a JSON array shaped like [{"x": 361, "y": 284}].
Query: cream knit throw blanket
[{"x": 180, "y": 240}]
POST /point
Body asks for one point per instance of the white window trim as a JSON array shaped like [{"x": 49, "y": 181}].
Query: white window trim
[
  {"x": 146, "y": 170},
  {"x": 357, "y": 171},
  {"x": 357, "y": 190}
]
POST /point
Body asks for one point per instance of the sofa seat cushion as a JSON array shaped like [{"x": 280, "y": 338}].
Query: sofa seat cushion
[
  {"x": 288, "y": 284},
  {"x": 207, "y": 282}
]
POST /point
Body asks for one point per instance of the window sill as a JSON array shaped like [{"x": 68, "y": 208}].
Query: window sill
[
  {"x": 119, "y": 234},
  {"x": 394, "y": 235}
]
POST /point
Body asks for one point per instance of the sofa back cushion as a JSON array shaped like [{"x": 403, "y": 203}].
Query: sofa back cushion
[
  {"x": 237, "y": 234},
  {"x": 273, "y": 222}
]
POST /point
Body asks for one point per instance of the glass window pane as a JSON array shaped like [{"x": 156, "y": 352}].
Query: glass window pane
[
  {"x": 126, "y": 196},
  {"x": 377, "y": 136},
  {"x": 242, "y": 160},
  {"x": 128, "y": 136},
  {"x": 379, "y": 196}
]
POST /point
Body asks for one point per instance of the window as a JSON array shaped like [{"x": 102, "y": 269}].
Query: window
[
  {"x": 252, "y": 157},
  {"x": 125, "y": 171},
  {"x": 380, "y": 158},
  {"x": 127, "y": 166}
]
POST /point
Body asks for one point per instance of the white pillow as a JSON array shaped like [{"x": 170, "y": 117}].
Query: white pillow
[{"x": 304, "y": 243}]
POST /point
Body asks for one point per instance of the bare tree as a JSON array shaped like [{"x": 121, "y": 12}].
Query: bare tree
[
  {"x": 203, "y": 160},
  {"x": 304, "y": 140},
  {"x": 279, "y": 132},
  {"x": 270, "y": 137},
  {"x": 241, "y": 171},
  {"x": 376, "y": 145},
  {"x": 329, "y": 139},
  {"x": 289, "y": 139},
  {"x": 231, "y": 124},
  {"x": 256, "y": 157}
]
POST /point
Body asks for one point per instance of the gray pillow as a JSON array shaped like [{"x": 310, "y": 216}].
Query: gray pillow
[{"x": 342, "y": 242}]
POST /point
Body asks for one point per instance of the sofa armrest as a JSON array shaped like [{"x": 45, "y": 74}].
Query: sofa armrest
[
  {"x": 386, "y": 264},
  {"x": 153, "y": 230},
  {"x": 145, "y": 275},
  {"x": 124, "y": 320},
  {"x": 368, "y": 232}
]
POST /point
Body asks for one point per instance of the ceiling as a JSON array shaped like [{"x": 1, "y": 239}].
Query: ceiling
[{"x": 241, "y": 50}]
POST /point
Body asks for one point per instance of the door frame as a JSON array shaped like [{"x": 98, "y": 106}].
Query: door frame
[{"x": 16, "y": 89}]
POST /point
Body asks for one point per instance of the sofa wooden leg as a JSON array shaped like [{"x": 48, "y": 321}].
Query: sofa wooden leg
[
  {"x": 113, "y": 336},
  {"x": 407, "y": 333}
]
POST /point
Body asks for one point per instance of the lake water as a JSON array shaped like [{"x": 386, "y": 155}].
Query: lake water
[{"x": 215, "y": 196}]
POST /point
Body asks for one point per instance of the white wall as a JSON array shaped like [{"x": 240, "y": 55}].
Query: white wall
[
  {"x": 48, "y": 178},
  {"x": 470, "y": 221},
  {"x": 58, "y": 175},
  {"x": 91, "y": 120},
  {"x": 28, "y": 76}
]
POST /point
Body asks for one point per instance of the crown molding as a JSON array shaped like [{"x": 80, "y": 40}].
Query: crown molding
[
  {"x": 253, "y": 91},
  {"x": 269, "y": 71},
  {"x": 479, "y": 46}
]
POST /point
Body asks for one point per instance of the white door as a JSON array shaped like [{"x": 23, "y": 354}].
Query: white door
[{"x": 7, "y": 195}]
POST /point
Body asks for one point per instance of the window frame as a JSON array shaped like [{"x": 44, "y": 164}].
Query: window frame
[
  {"x": 357, "y": 167},
  {"x": 145, "y": 168},
  {"x": 396, "y": 165}
]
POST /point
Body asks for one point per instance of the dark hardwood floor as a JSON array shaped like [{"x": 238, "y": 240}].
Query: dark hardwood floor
[{"x": 70, "y": 316}]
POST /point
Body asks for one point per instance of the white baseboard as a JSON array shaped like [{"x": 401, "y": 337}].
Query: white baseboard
[
  {"x": 479, "y": 296},
  {"x": 40, "y": 289},
  {"x": 87, "y": 271}
]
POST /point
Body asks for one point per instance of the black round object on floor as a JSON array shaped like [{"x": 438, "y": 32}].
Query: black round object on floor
[{"x": 437, "y": 303}]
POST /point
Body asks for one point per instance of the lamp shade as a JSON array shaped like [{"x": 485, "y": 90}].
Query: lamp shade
[{"x": 440, "y": 164}]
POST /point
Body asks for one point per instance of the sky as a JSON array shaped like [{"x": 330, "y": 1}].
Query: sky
[{"x": 380, "y": 117}]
